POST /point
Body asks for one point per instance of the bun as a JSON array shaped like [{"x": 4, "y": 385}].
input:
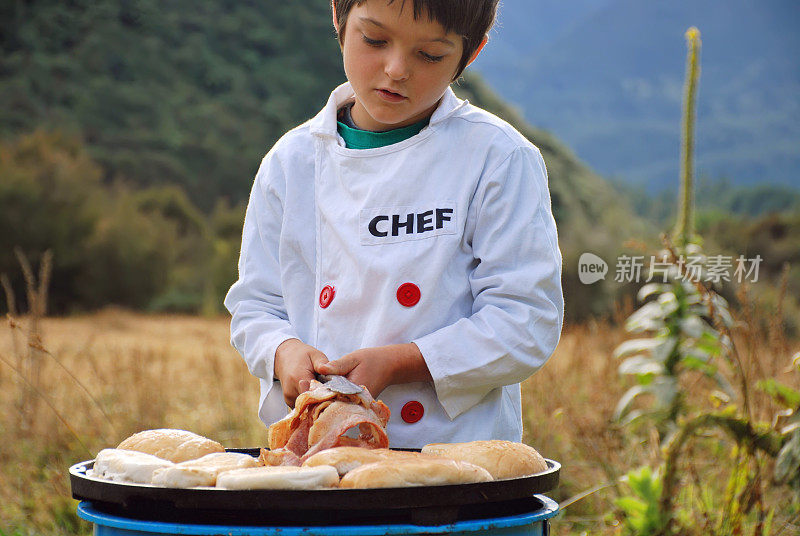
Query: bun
[
  {"x": 283, "y": 477},
  {"x": 173, "y": 445},
  {"x": 202, "y": 471},
  {"x": 345, "y": 459},
  {"x": 503, "y": 459},
  {"x": 414, "y": 471},
  {"x": 127, "y": 466}
]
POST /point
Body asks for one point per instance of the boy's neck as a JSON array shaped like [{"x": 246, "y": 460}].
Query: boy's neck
[{"x": 360, "y": 117}]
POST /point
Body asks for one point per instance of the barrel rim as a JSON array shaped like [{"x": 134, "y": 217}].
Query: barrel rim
[{"x": 548, "y": 510}]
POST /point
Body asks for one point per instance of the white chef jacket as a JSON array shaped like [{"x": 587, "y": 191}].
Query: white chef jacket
[{"x": 459, "y": 213}]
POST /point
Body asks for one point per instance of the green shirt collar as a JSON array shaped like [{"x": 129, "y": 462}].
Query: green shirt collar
[{"x": 364, "y": 139}]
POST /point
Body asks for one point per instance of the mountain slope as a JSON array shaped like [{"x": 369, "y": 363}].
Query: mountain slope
[
  {"x": 610, "y": 86},
  {"x": 525, "y": 25}
]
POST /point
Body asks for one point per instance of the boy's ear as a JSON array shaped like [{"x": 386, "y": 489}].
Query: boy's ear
[
  {"x": 478, "y": 50},
  {"x": 335, "y": 20}
]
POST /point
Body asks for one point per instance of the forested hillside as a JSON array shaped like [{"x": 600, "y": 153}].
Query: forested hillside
[
  {"x": 150, "y": 120},
  {"x": 186, "y": 93}
]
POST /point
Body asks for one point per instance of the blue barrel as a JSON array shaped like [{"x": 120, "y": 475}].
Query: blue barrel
[{"x": 528, "y": 524}]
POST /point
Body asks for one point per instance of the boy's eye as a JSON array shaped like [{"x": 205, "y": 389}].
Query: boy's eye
[
  {"x": 431, "y": 58},
  {"x": 372, "y": 42}
]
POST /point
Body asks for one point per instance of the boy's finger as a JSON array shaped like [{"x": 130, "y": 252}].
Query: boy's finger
[
  {"x": 340, "y": 367},
  {"x": 304, "y": 385},
  {"x": 324, "y": 368},
  {"x": 317, "y": 359}
]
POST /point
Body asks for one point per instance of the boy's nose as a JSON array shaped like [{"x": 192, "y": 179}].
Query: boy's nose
[{"x": 396, "y": 67}]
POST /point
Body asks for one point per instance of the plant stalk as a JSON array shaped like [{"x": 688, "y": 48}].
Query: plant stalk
[{"x": 684, "y": 231}]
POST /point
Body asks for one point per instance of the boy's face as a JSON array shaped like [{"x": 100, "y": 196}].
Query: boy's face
[{"x": 399, "y": 67}]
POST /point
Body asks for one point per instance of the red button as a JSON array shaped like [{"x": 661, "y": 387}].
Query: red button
[
  {"x": 326, "y": 296},
  {"x": 408, "y": 294},
  {"x": 412, "y": 412}
]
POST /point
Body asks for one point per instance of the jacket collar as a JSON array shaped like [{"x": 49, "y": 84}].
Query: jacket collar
[{"x": 324, "y": 123}]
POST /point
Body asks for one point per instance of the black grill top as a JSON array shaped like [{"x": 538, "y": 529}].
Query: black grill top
[{"x": 424, "y": 505}]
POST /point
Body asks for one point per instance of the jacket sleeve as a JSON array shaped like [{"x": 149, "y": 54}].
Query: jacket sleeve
[
  {"x": 259, "y": 322},
  {"x": 518, "y": 306}
]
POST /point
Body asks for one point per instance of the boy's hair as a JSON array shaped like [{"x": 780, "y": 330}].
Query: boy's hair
[{"x": 471, "y": 19}]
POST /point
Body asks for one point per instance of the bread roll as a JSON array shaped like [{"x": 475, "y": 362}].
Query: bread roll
[
  {"x": 421, "y": 471},
  {"x": 283, "y": 477},
  {"x": 173, "y": 445},
  {"x": 202, "y": 471},
  {"x": 127, "y": 466},
  {"x": 345, "y": 459},
  {"x": 503, "y": 459}
]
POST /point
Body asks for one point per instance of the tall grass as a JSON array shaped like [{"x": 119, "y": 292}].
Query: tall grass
[
  {"x": 175, "y": 371},
  {"x": 100, "y": 378}
]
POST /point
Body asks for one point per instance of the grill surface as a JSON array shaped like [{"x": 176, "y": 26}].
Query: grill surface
[{"x": 427, "y": 505}]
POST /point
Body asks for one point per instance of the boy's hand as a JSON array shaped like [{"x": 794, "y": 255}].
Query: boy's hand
[
  {"x": 295, "y": 362},
  {"x": 377, "y": 368}
]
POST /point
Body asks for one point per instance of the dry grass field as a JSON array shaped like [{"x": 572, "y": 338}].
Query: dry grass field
[{"x": 96, "y": 379}]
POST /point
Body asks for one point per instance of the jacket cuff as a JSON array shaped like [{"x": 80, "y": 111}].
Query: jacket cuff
[
  {"x": 261, "y": 357},
  {"x": 454, "y": 398}
]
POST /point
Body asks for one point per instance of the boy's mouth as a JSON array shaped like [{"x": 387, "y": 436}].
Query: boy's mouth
[{"x": 390, "y": 96}]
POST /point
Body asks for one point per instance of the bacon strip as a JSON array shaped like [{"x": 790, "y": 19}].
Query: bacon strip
[
  {"x": 339, "y": 417},
  {"x": 319, "y": 421}
]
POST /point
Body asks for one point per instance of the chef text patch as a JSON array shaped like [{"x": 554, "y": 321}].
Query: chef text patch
[{"x": 397, "y": 224}]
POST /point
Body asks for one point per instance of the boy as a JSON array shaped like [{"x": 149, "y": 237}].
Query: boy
[{"x": 402, "y": 238}]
